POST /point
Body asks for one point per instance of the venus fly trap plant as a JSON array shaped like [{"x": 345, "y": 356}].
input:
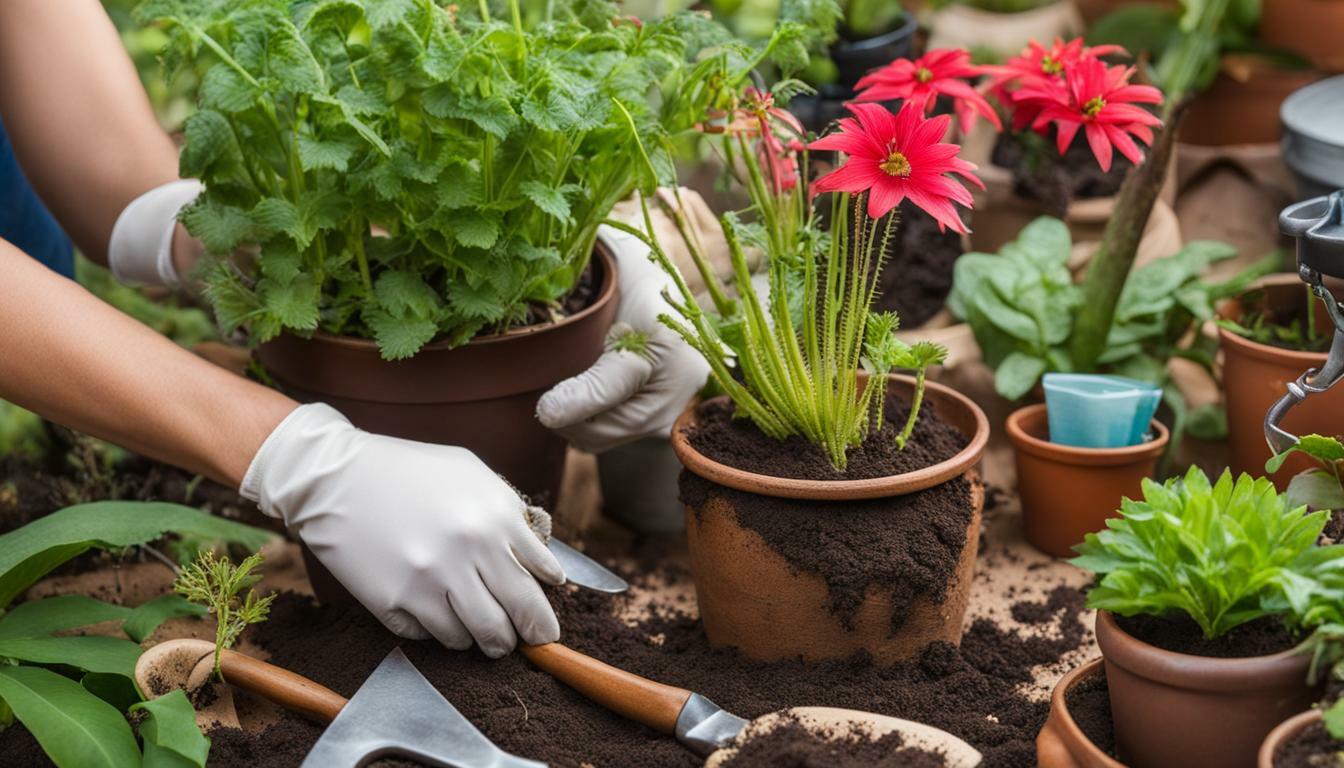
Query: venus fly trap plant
[
  {"x": 405, "y": 171},
  {"x": 790, "y": 364},
  {"x": 1223, "y": 554}
]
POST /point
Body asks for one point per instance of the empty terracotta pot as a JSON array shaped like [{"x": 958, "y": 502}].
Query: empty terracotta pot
[
  {"x": 1284, "y": 733},
  {"x": 1061, "y": 743},
  {"x": 1243, "y": 107},
  {"x": 1256, "y": 375},
  {"x": 1174, "y": 709},
  {"x": 1068, "y": 492},
  {"x": 1313, "y": 28},
  {"x": 750, "y": 597}
]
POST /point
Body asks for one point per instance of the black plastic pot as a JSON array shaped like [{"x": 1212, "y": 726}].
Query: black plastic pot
[{"x": 853, "y": 59}]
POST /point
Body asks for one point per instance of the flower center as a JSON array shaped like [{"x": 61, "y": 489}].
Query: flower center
[
  {"x": 923, "y": 74},
  {"x": 1093, "y": 106},
  {"x": 1051, "y": 66},
  {"x": 895, "y": 164}
]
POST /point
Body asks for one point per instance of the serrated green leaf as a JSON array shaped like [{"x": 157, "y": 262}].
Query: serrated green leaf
[
  {"x": 481, "y": 303},
  {"x": 387, "y": 13},
  {"x": 169, "y": 731},
  {"x": 548, "y": 199},
  {"x": 208, "y": 138},
  {"x": 222, "y": 228},
  {"x": 225, "y": 90},
  {"x": 295, "y": 303},
  {"x": 75, "y": 728},
  {"x": 399, "y": 337},
  {"x": 401, "y": 293},
  {"x": 317, "y": 154},
  {"x": 473, "y": 228}
]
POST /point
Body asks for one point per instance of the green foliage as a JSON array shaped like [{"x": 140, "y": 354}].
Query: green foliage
[
  {"x": 218, "y": 584},
  {"x": 1319, "y": 488},
  {"x": 483, "y": 153},
  {"x": 1222, "y": 554},
  {"x": 185, "y": 325},
  {"x": 81, "y": 723},
  {"x": 21, "y": 433},
  {"x": 1260, "y": 324}
]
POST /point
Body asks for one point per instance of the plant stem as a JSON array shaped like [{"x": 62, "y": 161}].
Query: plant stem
[{"x": 915, "y": 403}]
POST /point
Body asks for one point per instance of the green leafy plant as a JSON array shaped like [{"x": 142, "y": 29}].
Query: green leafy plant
[
  {"x": 79, "y": 720},
  {"x": 405, "y": 171},
  {"x": 1321, "y": 487},
  {"x": 1223, "y": 554},
  {"x": 1025, "y": 310},
  {"x": 1261, "y": 325},
  {"x": 218, "y": 585}
]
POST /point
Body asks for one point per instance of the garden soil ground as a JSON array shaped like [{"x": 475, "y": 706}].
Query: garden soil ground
[{"x": 1025, "y": 628}]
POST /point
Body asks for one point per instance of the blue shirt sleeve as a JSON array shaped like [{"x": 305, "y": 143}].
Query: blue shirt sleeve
[{"x": 25, "y": 221}]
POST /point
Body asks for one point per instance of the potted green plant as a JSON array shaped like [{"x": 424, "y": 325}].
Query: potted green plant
[
  {"x": 1077, "y": 732},
  {"x": 810, "y": 481},
  {"x": 1269, "y": 335},
  {"x": 1203, "y": 591},
  {"x": 1315, "y": 737},
  {"x": 402, "y": 200}
]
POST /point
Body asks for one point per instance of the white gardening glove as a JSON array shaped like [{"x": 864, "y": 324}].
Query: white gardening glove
[
  {"x": 141, "y": 248},
  {"x": 629, "y": 395},
  {"x": 426, "y": 537}
]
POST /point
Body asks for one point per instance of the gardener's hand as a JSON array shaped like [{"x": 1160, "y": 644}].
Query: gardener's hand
[
  {"x": 644, "y": 379},
  {"x": 430, "y": 540},
  {"x": 148, "y": 246}
]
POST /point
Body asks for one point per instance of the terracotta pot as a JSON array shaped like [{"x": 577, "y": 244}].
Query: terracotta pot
[
  {"x": 1175, "y": 709},
  {"x": 1256, "y": 375},
  {"x": 1313, "y": 28},
  {"x": 1283, "y": 733},
  {"x": 482, "y": 395},
  {"x": 1244, "y": 109},
  {"x": 1068, "y": 492},
  {"x": 1061, "y": 743},
  {"x": 750, "y": 597}
]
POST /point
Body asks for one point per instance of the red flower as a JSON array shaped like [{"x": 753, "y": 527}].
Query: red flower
[
  {"x": 920, "y": 82},
  {"x": 892, "y": 157},
  {"x": 1100, "y": 100},
  {"x": 1040, "y": 69}
]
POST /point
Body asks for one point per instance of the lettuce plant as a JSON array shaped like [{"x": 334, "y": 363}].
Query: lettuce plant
[
  {"x": 404, "y": 170},
  {"x": 1223, "y": 554},
  {"x": 791, "y": 363},
  {"x": 80, "y": 720},
  {"x": 1321, "y": 487}
]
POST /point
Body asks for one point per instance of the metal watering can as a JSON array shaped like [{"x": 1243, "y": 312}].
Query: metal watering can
[{"x": 1318, "y": 225}]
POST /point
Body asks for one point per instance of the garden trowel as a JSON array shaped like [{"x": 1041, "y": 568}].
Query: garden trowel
[
  {"x": 584, "y": 571},
  {"x": 395, "y": 712}
]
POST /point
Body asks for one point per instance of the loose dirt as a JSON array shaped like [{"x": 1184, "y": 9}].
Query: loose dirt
[
  {"x": 1089, "y": 705},
  {"x": 1261, "y": 637},
  {"x": 792, "y": 744},
  {"x": 1313, "y": 748}
]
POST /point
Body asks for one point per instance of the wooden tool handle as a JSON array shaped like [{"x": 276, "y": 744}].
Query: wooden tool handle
[
  {"x": 289, "y": 690},
  {"x": 631, "y": 696}
]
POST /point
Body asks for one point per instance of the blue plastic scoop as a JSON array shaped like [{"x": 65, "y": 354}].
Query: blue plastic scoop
[{"x": 1096, "y": 411}]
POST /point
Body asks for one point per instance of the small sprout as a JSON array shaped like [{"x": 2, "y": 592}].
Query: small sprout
[
  {"x": 218, "y": 584},
  {"x": 623, "y": 338}
]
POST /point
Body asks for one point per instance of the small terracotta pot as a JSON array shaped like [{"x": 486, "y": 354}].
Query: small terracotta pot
[
  {"x": 1313, "y": 28},
  {"x": 1061, "y": 743},
  {"x": 1068, "y": 492},
  {"x": 1256, "y": 375},
  {"x": 1283, "y": 733},
  {"x": 1243, "y": 110},
  {"x": 1174, "y": 709},
  {"x": 751, "y": 598}
]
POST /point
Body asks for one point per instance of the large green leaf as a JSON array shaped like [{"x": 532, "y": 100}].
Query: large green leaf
[
  {"x": 142, "y": 621},
  {"x": 53, "y": 614},
  {"x": 74, "y": 727},
  {"x": 92, "y": 653},
  {"x": 172, "y": 739},
  {"x": 29, "y": 553}
]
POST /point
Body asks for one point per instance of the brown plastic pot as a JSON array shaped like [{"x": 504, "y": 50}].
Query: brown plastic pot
[
  {"x": 481, "y": 395},
  {"x": 1243, "y": 109},
  {"x": 1068, "y": 492},
  {"x": 1313, "y": 28},
  {"x": 1256, "y": 375},
  {"x": 752, "y": 599},
  {"x": 1061, "y": 743},
  {"x": 1173, "y": 709},
  {"x": 1284, "y": 733}
]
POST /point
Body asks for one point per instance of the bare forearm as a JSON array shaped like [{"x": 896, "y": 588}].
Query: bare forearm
[
  {"x": 81, "y": 363},
  {"x": 78, "y": 117}
]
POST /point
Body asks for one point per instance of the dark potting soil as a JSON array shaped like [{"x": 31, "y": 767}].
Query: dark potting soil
[
  {"x": 907, "y": 546},
  {"x": 1089, "y": 704},
  {"x": 584, "y": 294},
  {"x": 791, "y": 744},
  {"x": 738, "y": 443},
  {"x": 972, "y": 692},
  {"x": 1041, "y": 174},
  {"x": 1261, "y": 637},
  {"x": 1314, "y": 747},
  {"x": 1334, "y": 527},
  {"x": 917, "y": 275}
]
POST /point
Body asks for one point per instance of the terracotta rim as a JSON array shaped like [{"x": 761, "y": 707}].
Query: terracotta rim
[
  {"x": 1231, "y": 310},
  {"x": 604, "y": 295},
  {"x": 937, "y": 396},
  {"x": 1074, "y": 455},
  {"x": 1283, "y": 732},
  {"x": 1203, "y": 673},
  {"x": 1059, "y": 709}
]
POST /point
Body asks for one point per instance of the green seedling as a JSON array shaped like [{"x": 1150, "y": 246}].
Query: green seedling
[{"x": 218, "y": 584}]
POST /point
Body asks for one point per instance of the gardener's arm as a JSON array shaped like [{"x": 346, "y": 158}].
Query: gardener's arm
[
  {"x": 78, "y": 117},
  {"x": 430, "y": 540}
]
